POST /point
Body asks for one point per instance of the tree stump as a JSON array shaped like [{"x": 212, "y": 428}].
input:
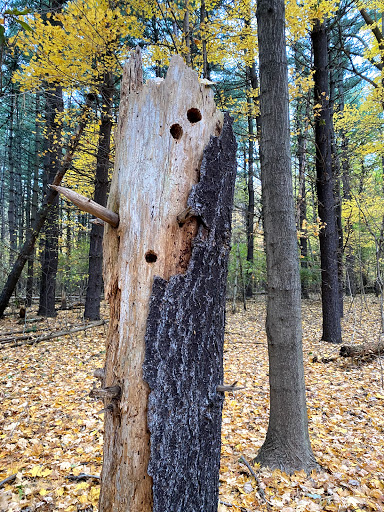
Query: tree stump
[{"x": 165, "y": 270}]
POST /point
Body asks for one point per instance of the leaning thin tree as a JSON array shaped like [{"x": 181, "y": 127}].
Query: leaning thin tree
[
  {"x": 287, "y": 446},
  {"x": 165, "y": 269}
]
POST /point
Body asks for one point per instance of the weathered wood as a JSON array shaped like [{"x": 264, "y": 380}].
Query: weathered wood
[
  {"x": 163, "y": 128},
  {"x": 366, "y": 350},
  {"x": 87, "y": 205}
]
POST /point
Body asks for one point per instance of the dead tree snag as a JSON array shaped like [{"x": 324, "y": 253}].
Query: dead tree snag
[{"x": 165, "y": 281}]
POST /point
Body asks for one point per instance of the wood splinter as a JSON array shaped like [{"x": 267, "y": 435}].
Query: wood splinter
[
  {"x": 87, "y": 205},
  {"x": 112, "y": 392}
]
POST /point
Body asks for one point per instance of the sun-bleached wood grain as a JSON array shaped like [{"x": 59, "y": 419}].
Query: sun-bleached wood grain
[
  {"x": 87, "y": 205},
  {"x": 158, "y": 157}
]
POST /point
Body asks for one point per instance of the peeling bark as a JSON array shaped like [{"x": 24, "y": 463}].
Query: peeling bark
[{"x": 184, "y": 349}]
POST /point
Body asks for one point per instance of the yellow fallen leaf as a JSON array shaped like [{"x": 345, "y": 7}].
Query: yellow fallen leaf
[
  {"x": 82, "y": 485},
  {"x": 43, "y": 492}
]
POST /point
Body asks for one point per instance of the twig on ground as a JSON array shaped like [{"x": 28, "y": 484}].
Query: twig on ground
[
  {"x": 83, "y": 476},
  {"x": 58, "y": 334},
  {"x": 8, "y": 480},
  {"x": 260, "y": 490}
]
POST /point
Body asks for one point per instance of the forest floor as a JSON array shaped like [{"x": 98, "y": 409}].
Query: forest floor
[{"x": 51, "y": 432}]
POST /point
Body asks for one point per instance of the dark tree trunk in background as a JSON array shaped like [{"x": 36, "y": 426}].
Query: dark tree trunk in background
[
  {"x": 95, "y": 279},
  {"x": 336, "y": 172},
  {"x": 54, "y": 107},
  {"x": 251, "y": 190},
  {"x": 11, "y": 188},
  {"x": 287, "y": 446},
  {"x": 302, "y": 137},
  {"x": 325, "y": 189},
  {"x": 34, "y": 203}
]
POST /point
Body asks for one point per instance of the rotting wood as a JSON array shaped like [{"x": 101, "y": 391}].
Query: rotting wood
[
  {"x": 364, "y": 351},
  {"x": 29, "y": 340},
  {"x": 87, "y": 205},
  {"x": 159, "y": 151}
]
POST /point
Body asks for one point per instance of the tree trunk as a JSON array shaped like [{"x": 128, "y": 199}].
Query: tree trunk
[
  {"x": 41, "y": 216},
  {"x": 95, "y": 267},
  {"x": 324, "y": 180},
  {"x": 287, "y": 446},
  {"x": 50, "y": 255},
  {"x": 301, "y": 198},
  {"x": 11, "y": 190},
  {"x": 251, "y": 190},
  {"x": 34, "y": 204},
  {"x": 162, "y": 434}
]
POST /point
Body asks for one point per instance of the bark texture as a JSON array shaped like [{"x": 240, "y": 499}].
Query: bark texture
[
  {"x": 287, "y": 446},
  {"x": 325, "y": 189},
  {"x": 163, "y": 128},
  {"x": 184, "y": 348}
]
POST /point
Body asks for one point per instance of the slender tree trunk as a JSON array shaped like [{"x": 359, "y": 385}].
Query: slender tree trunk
[
  {"x": 251, "y": 191},
  {"x": 186, "y": 34},
  {"x": 336, "y": 171},
  {"x": 34, "y": 203},
  {"x": 325, "y": 189},
  {"x": 11, "y": 189},
  {"x": 302, "y": 193},
  {"x": 203, "y": 18},
  {"x": 95, "y": 272},
  {"x": 54, "y": 107},
  {"x": 287, "y": 446}
]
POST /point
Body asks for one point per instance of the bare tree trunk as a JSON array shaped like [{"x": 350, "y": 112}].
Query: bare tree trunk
[
  {"x": 325, "y": 188},
  {"x": 11, "y": 189},
  {"x": 251, "y": 190},
  {"x": 203, "y": 19},
  {"x": 165, "y": 272},
  {"x": 54, "y": 107},
  {"x": 287, "y": 446},
  {"x": 95, "y": 273},
  {"x": 34, "y": 204}
]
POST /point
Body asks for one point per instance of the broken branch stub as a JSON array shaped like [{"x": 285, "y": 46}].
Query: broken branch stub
[
  {"x": 87, "y": 205},
  {"x": 163, "y": 129}
]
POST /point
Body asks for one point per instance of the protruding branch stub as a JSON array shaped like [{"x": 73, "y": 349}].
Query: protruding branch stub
[{"x": 87, "y": 205}]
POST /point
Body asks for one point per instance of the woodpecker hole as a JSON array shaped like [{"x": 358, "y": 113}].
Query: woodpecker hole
[
  {"x": 176, "y": 131},
  {"x": 194, "y": 115},
  {"x": 150, "y": 257}
]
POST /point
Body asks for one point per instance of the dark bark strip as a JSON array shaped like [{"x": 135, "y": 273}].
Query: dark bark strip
[{"x": 184, "y": 348}]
